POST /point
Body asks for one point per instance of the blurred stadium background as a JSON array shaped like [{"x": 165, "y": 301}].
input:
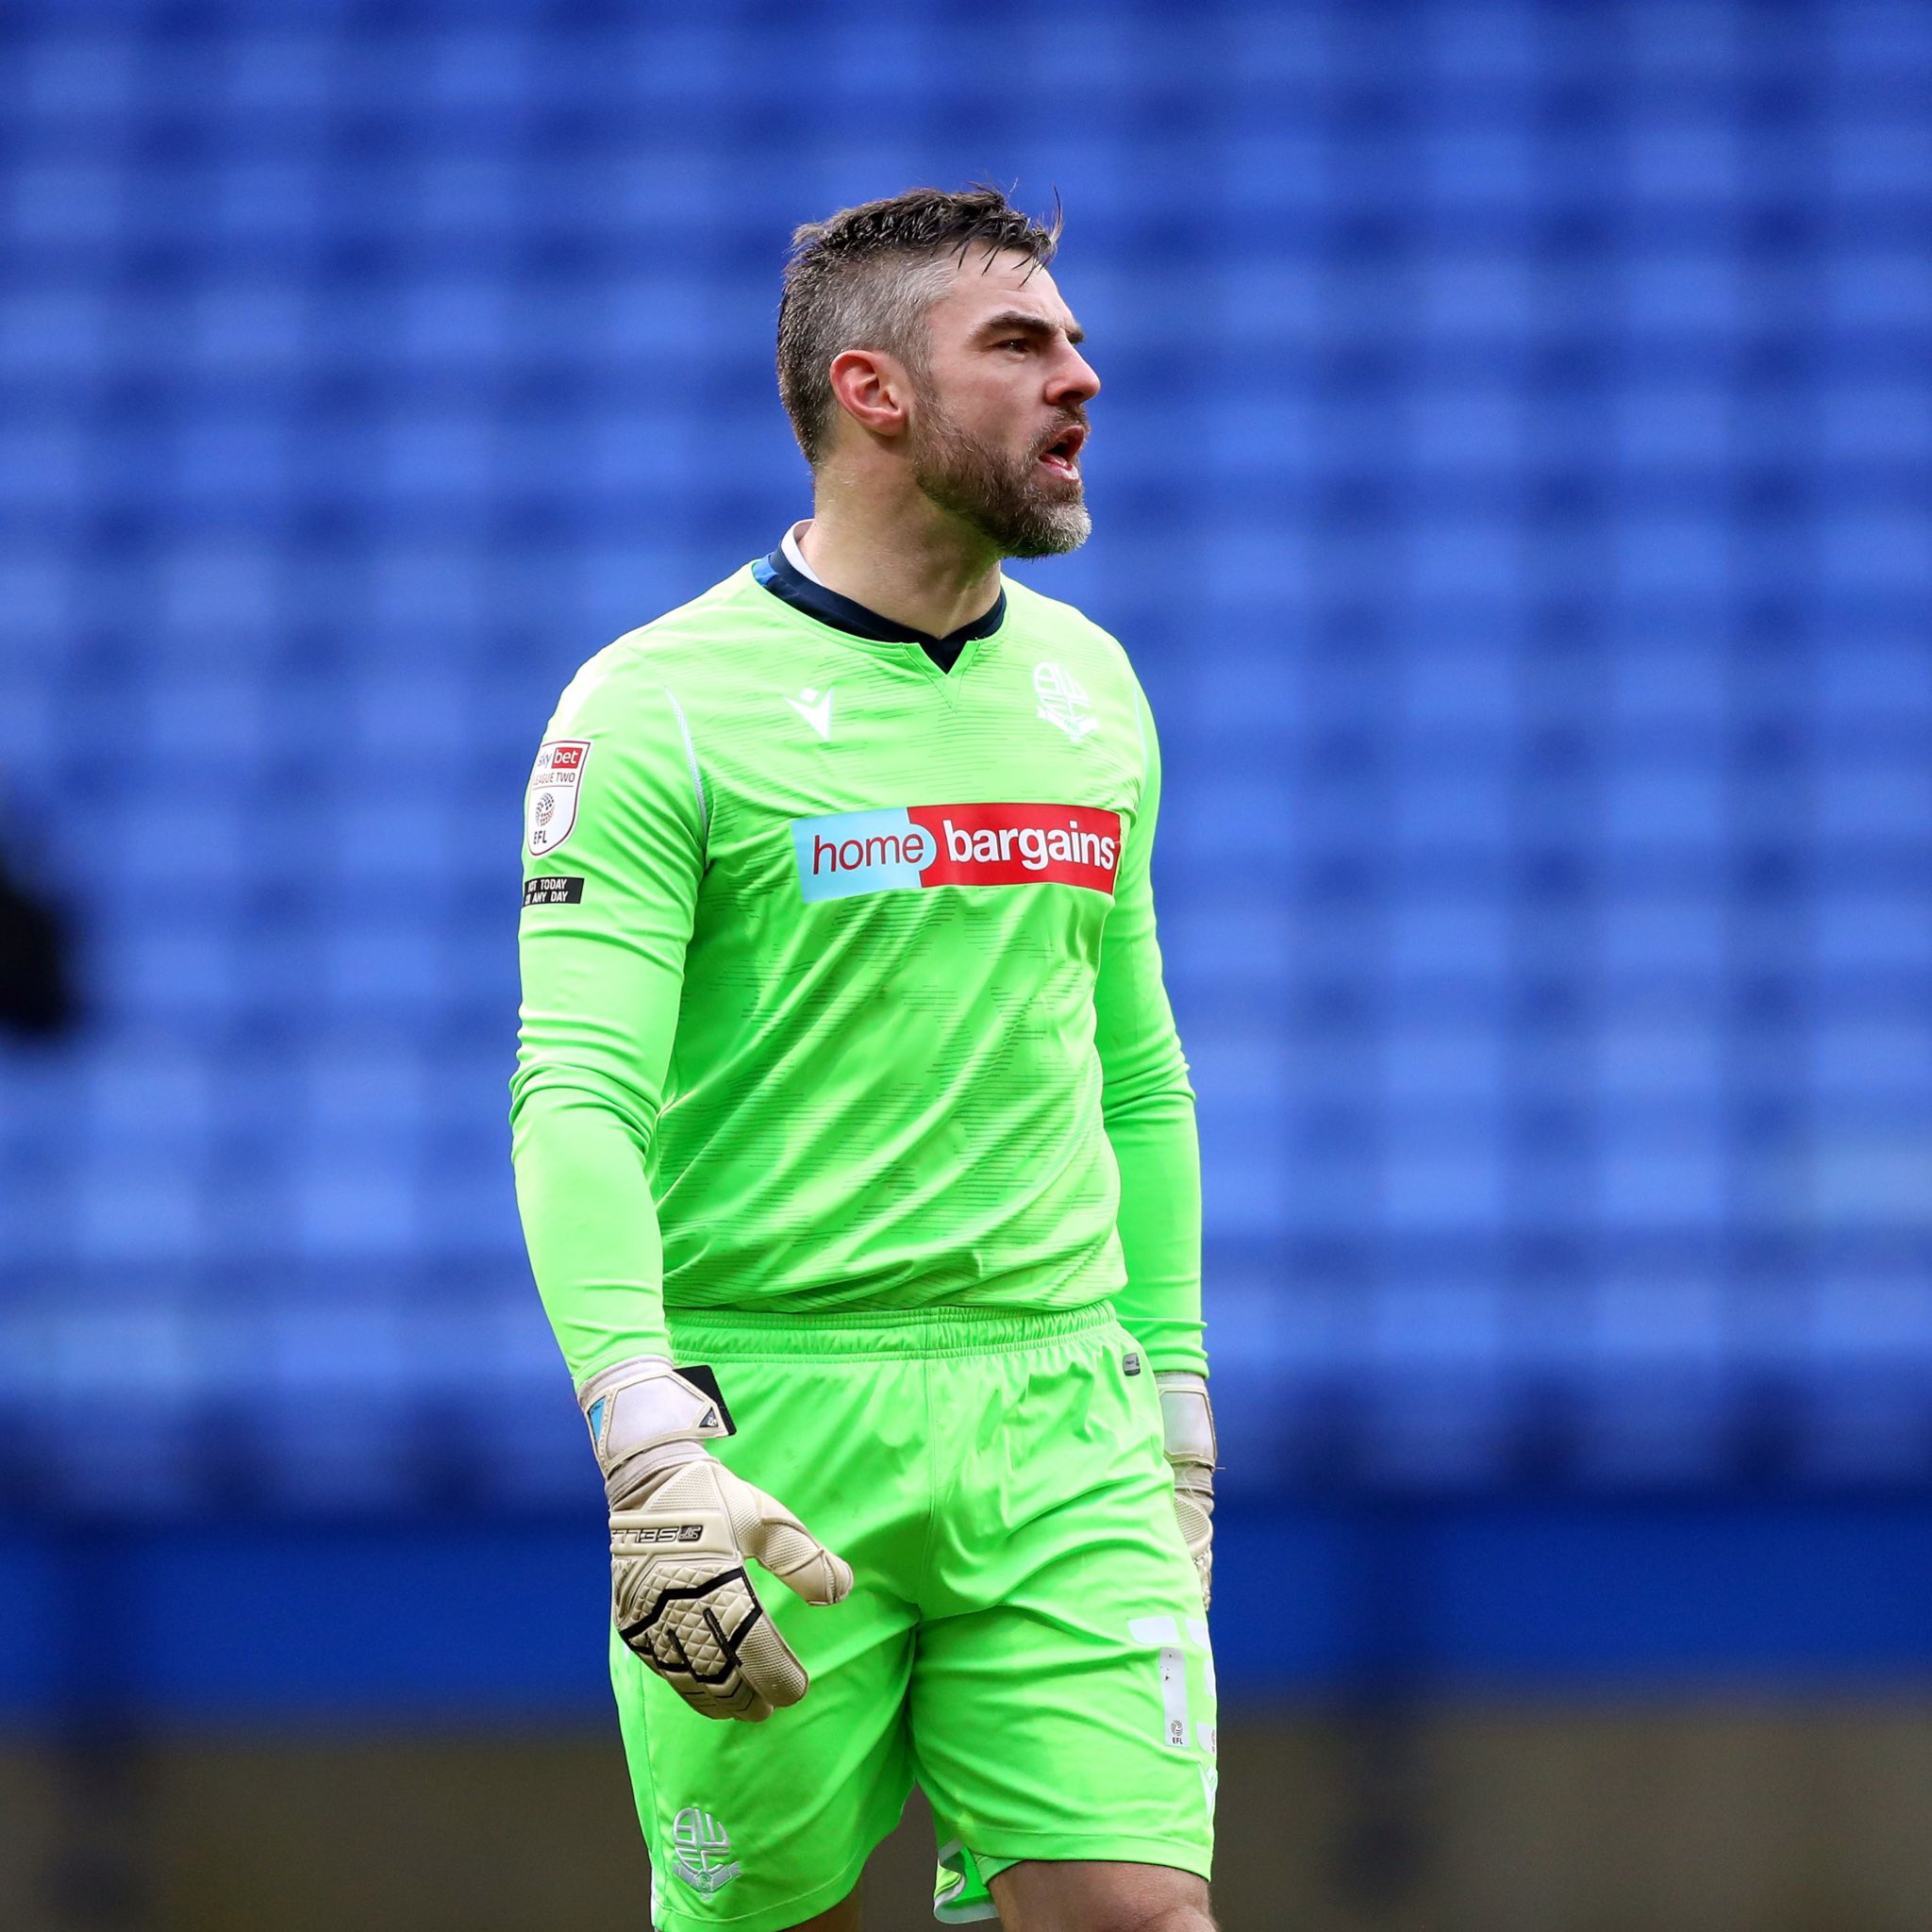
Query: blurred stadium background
[{"x": 1513, "y": 481}]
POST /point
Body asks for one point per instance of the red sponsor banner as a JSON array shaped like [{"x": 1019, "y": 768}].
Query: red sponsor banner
[
  {"x": 567, "y": 757},
  {"x": 1020, "y": 845}
]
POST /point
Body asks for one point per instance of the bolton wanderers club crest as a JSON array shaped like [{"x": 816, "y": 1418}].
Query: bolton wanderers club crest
[
  {"x": 1063, "y": 700},
  {"x": 701, "y": 1852}
]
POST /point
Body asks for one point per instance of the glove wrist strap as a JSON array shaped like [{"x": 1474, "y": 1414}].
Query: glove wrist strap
[
  {"x": 1187, "y": 1417},
  {"x": 638, "y": 1410}
]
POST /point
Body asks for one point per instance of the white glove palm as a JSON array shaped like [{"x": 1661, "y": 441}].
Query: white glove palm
[
  {"x": 1187, "y": 1419},
  {"x": 682, "y": 1527}
]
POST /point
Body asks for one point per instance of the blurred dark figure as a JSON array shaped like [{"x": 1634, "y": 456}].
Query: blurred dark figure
[{"x": 37, "y": 995}]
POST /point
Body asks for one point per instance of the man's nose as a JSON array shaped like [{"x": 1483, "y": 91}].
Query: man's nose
[{"x": 1073, "y": 380}]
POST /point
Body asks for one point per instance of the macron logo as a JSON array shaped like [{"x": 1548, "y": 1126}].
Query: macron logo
[
  {"x": 905, "y": 848},
  {"x": 815, "y": 708}
]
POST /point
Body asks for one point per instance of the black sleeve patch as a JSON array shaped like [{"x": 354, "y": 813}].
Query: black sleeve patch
[
  {"x": 554, "y": 891},
  {"x": 702, "y": 1376}
]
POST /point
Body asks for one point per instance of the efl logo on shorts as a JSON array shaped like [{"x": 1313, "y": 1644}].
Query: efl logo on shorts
[{"x": 907, "y": 847}]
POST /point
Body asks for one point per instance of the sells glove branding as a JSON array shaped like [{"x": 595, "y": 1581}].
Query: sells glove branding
[{"x": 908, "y": 847}]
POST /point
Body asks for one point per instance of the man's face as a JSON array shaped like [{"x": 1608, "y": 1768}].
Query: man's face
[{"x": 1000, "y": 410}]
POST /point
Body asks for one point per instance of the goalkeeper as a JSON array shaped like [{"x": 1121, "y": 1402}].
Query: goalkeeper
[{"x": 855, "y": 1151}]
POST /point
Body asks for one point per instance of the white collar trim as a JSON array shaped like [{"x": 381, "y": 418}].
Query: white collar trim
[{"x": 795, "y": 554}]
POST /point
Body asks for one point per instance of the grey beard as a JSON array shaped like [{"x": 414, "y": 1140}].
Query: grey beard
[{"x": 992, "y": 493}]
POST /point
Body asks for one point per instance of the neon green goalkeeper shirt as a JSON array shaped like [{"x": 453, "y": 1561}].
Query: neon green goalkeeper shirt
[{"x": 840, "y": 987}]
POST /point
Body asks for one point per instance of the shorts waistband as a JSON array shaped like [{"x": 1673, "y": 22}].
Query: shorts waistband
[{"x": 876, "y": 1334}]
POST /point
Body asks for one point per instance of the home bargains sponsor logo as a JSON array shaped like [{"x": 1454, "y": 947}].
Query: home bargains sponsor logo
[{"x": 905, "y": 847}]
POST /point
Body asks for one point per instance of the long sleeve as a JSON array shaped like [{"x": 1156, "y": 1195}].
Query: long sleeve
[
  {"x": 1148, "y": 1109},
  {"x": 617, "y": 806}
]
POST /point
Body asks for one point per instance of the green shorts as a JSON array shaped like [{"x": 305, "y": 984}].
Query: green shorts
[{"x": 1024, "y": 1636}]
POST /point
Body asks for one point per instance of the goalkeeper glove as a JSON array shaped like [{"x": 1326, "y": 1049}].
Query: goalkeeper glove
[
  {"x": 1187, "y": 1419},
  {"x": 681, "y": 1527}
]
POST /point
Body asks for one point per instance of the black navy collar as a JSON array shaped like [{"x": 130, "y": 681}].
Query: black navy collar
[{"x": 783, "y": 578}]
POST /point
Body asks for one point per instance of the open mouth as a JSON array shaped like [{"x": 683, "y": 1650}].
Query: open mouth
[{"x": 1062, "y": 455}]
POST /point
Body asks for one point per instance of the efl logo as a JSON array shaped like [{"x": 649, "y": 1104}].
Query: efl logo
[
  {"x": 907, "y": 847},
  {"x": 550, "y": 805}
]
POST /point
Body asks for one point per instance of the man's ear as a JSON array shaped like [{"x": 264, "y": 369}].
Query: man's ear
[{"x": 872, "y": 389}]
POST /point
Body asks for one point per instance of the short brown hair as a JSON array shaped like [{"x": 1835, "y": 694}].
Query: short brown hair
[{"x": 865, "y": 278}]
